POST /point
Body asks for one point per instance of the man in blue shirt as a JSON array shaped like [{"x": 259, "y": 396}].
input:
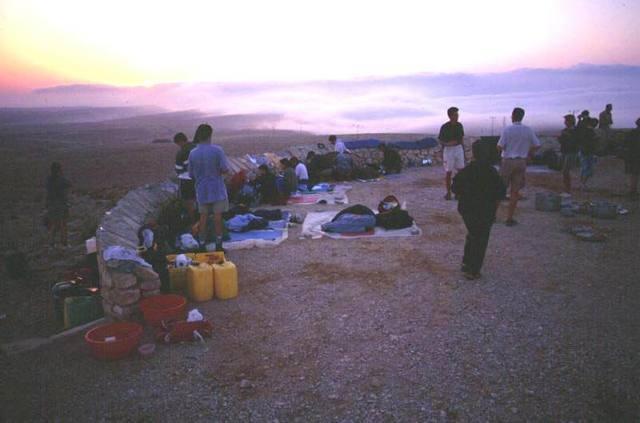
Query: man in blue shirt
[{"x": 207, "y": 165}]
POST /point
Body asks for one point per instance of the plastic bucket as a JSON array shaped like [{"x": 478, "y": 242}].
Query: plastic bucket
[
  {"x": 163, "y": 307},
  {"x": 114, "y": 340}
]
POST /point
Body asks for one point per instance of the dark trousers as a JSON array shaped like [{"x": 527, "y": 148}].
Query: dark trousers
[{"x": 475, "y": 246}]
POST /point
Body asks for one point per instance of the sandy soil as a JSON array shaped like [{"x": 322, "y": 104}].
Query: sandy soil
[{"x": 383, "y": 329}]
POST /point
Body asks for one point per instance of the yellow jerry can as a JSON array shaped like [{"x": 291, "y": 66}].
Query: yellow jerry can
[
  {"x": 200, "y": 282},
  {"x": 177, "y": 278},
  {"x": 211, "y": 257},
  {"x": 225, "y": 276}
]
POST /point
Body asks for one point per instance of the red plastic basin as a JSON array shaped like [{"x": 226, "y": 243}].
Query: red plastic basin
[
  {"x": 114, "y": 340},
  {"x": 163, "y": 307}
]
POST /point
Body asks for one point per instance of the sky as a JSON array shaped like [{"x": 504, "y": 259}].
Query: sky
[
  {"x": 332, "y": 64},
  {"x": 45, "y": 43}
]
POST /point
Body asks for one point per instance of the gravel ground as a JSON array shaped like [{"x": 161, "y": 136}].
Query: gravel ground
[{"x": 386, "y": 329}]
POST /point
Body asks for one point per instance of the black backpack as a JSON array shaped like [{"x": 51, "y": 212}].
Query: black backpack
[{"x": 395, "y": 218}]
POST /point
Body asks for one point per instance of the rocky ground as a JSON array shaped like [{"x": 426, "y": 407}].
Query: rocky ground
[{"x": 386, "y": 329}]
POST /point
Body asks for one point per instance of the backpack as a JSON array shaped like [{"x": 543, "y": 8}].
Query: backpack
[{"x": 396, "y": 218}]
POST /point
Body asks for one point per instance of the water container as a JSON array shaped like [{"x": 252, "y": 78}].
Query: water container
[
  {"x": 226, "y": 280},
  {"x": 211, "y": 257},
  {"x": 200, "y": 282},
  {"x": 80, "y": 310},
  {"x": 177, "y": 278}
]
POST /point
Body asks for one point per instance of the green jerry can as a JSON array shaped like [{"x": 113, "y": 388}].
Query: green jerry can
[{"x": 81, "y": 310}]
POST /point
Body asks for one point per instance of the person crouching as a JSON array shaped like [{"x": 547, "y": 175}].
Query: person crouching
[{"x": 479, "y": 188}]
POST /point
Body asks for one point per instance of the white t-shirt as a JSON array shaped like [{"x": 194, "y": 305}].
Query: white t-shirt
[
  {"x": 301, "y": 172},
  {"x": 516, "y": 141},
  {"x": 340, "y": 147}
]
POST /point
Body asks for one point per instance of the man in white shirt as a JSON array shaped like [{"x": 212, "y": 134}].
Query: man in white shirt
[
  {"x": 517, "y": 143},
  {"x": 302, "y": 174},
  {"x": 338, "y": 145}
]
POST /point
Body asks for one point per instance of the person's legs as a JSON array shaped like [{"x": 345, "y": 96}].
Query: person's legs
[
  {"x": 476, "y": 242},
  {"x": 204, "y": 210},
  {"x": 53, "y": 229},
  {"x": 219, "y": 207},
  {"x": 566, "y": 180},
  {"x": 63, "y": 232},
  {"x": 517, "y": 178},
  {"x": 447, "y": 181}
]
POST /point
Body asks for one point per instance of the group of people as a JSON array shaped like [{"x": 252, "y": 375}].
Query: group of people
[{"x": 480, "y": 188}]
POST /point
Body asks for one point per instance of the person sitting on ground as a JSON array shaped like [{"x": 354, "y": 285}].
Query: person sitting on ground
[
  {"x": 301, "y": 174},
  {"x": 290, "y": 178},
  {"x": 587, "y": 148},
  {"x": 516, "y": 145},
  {"x": 207, "y": 165},
  {"x": 186, "y": 187},
  {"x": 632, "y": 159},
  {"x": 344, "y": 167},
  {"x": 451, "y": 137},
  {"x": 266, "y": 186},
  {"x": 569, "y": 150},
  {"x": 313, "y": 168},
  {"x": 479, "y": 189},
  {"x": 57, "y": 204},
  {"x": 338, "y": 145},
  {"x": 391, "y": 160}
]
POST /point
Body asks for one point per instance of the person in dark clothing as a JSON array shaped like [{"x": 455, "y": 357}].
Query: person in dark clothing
[
  {"x": 266, "y": 185},
  {"x": 290, "y": 178},
  {"x": 187, "y": 187},
  {"x": 632, "y": 159},
  {"x": 587, "y": 148},
  {"x": 569, "y": 150},
  {"x": 391, "y": 161},
  {"x": 57, "y": 204},
  {"x": 479, "y": 188}
]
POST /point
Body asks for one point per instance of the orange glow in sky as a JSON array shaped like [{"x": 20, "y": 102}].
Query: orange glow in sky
[{"x": 44, "y": 43}]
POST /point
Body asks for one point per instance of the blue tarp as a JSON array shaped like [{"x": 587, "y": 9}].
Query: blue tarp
[{"x": 424, "y": 143}]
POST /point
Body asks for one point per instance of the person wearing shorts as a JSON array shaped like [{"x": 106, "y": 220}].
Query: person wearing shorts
[
  {"x": 632, "y": 159},
  {"x": 207, "y": 165},
  {"x": 516, "y": 144},
  {"x": 451, "y": 136},
  {"x": 569, "y": 150}
]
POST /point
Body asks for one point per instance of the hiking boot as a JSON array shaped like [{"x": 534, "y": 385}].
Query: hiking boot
[
  {"x": 219, "y": 248},
  {"x": 471, "y": 275},
  {"x": 511, "y": 222}
]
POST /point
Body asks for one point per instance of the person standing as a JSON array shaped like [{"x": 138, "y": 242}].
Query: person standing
[
  {"x": 451, "y": 137},
  {"x": 606, "y": 117},
  {"x": 632, "y": 159},
  {"x": 587, "y": 145},
  {"x": 391, "y": 160},
  {"x": 57, "y": 204},
  {"x": 479, "y": 189},
  {"x": 516, "y": 144},
  {"x": 569, "y": 150},
  {"x": 301, "y": 174},
  {"x": 186, "y": 185},
  {"x": 207, "y": 165}
]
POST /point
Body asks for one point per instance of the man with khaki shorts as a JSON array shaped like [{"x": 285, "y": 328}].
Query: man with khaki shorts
[
  {"x": 517, "y": 143},
  {"x": 451, "y": 136},
  {"x": 207, "y": 165}
]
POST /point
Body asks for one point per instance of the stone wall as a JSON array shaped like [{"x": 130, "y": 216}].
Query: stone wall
[{"x": 121, "y": 291}]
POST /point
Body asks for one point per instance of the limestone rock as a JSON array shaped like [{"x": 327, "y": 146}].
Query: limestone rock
[
  {"x": 125, "y": 297},
  {"x": 123, "y": 280},
  {"x": 145, "y": 273},
  {"x": 147, "y": 294}
]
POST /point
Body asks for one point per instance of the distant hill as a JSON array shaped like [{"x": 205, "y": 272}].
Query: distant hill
[{"x": 50, "y": 115}]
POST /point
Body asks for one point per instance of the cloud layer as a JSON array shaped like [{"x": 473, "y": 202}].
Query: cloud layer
[{"x": 407, "y": 103}]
